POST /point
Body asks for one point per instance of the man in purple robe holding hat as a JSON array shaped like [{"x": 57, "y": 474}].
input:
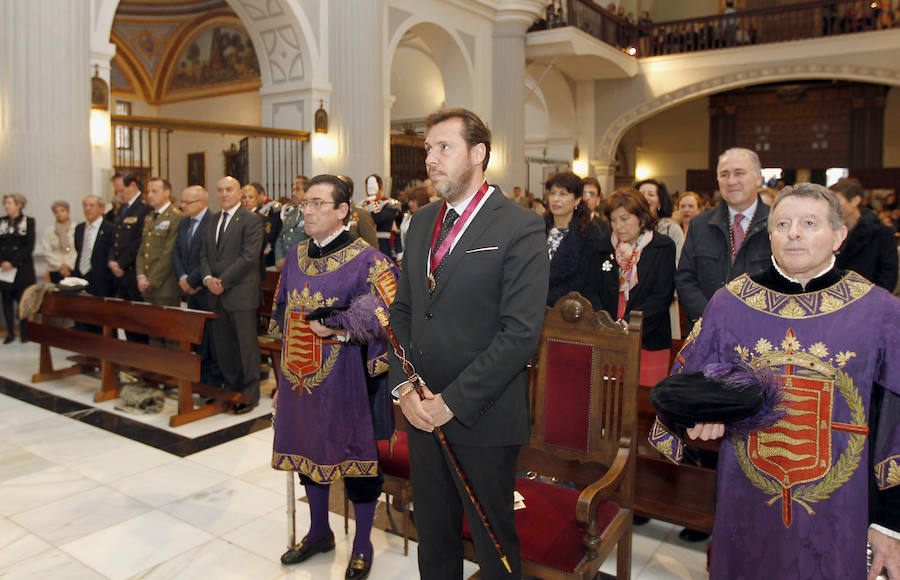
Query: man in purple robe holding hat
[
  {"x": 800, "y": 497},
  {"x": 330, "y": 405}
]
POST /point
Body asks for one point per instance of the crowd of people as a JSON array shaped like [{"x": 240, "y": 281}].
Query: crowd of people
[{"x": 752, "y": 274}]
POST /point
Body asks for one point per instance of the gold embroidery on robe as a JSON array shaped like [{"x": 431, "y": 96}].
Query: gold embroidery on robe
[
  {"x": 792, "y": 460},
  {"x": 849, "y": 289}
]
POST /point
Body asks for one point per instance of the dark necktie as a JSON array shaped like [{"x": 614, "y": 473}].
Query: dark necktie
[
  {"x": 222, "y": 229},
  {"x": 191, "y": 229},
  {"x": 449, "y": 219},
  {"x": 122, "y": 210},
  {"x": 155, "y": 215}
]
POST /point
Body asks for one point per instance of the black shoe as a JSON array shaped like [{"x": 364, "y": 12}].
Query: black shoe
[
  {"x": 305, "y": 550},
  {"x": 242, "y": 408},
  {"x": 9, "y": 338},
  {"x": 359, "y": 567},
  {"x": 639, "y": 520},
  {"x": 693, "y": 536}
]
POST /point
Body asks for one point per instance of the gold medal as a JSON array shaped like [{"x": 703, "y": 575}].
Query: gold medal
[{"x": 432, "y": 283}]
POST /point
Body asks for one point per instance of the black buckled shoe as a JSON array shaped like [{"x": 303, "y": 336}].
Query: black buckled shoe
[
  {"x": 359, "y": 567},
  {"x": 305, "y": 550}
]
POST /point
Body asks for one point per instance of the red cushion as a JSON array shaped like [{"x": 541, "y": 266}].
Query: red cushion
[
  {"x": 548, "y": 532},
  {"x": 396, "y": 463},
  {"x": 567, "y": 404}
]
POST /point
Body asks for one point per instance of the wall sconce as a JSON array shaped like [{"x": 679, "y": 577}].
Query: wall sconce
[
  {"x": 321, "y": 120},
  {"x": 99, "y": 110},
  {"x": 642, "y": 172},
  {"x": 580, "y": 167}
]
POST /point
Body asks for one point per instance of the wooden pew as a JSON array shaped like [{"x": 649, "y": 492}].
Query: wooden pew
[
  {"x": 681, "y": 494},
  {"x": 179, "y": 368}
]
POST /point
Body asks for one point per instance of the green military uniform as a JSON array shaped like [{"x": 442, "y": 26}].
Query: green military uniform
[
  {"x": 155, "y": 260},
  {"x": 292, "y": 230},
  {"x": 362, "y": 224}
]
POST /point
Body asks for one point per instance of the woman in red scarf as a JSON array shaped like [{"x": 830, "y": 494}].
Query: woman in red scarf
[{"x": 638, "y": 273}]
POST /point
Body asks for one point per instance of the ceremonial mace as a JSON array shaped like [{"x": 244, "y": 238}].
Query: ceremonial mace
[{"x": 418, "y": 384}]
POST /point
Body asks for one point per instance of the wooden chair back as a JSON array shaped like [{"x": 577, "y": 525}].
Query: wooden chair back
[{"x": 585, "y": 392}]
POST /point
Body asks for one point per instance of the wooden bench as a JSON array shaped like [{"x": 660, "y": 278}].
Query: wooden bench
[
  {"x": 180, "y": 368},
  {"x": 681, "y": 494}
]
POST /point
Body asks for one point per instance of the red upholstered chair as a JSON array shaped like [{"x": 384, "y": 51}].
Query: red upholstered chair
[
  {"x": 580, "y": 462},
  {"x": 397, "y": 488}
]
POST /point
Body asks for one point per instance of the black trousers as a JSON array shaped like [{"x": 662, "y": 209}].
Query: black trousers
[
  {"x": 237, "y": 350},
  {"x": 440, "y": 501},
  {"x": 10, "y": 297}
]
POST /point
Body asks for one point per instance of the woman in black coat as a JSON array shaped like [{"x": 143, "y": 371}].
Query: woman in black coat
[
  {"x": 16, "y": 248},
  {"x": 573, "y": 243},
  {"x": 638, "y": 273}
]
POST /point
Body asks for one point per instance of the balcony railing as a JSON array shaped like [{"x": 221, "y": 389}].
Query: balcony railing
[
  {"x": 779, "y": 24},
  {"x": 146, "y": 147}
]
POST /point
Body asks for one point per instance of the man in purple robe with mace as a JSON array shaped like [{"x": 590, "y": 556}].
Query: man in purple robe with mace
[
  {"x": 332, "y": 402},
  {"x": 799, "y": 494}
]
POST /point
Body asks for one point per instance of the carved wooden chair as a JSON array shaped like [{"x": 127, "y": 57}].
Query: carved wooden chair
[{"x": 577, "y": 472}]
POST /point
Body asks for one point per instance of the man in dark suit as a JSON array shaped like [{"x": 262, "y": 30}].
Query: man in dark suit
[
  {"x": 93, "y": 239},
  {"x": 128, "y": 228},
  {"x": 469, "y": 311},
  {"x": 229, "y": 265},
  {"x": 186, "y": 259}
]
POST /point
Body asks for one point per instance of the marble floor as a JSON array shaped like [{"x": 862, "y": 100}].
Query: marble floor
[{"x": 78, "y": 501}]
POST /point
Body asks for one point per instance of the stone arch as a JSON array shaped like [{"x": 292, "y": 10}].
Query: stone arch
[
  {"x": 549, "y": 88},
  {"x": 282, "y": 35},
  {"x": 858, "y": 73},
  {"x": 449, "y": 53}
]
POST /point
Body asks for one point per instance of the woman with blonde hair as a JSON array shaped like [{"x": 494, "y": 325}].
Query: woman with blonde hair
[
  {"x": 58, "y": 241},
  {"x": 16, "y": 259}
]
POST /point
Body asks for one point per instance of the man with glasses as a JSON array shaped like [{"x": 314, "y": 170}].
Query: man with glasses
[
  {"x": 332, "y": 403},
  {"x": 186, "y": 258}
]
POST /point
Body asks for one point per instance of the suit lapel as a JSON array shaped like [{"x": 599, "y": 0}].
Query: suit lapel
[{"x": 482, "y": 220}]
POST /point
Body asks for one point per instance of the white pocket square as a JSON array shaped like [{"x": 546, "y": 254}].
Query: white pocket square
[{"x": 484, "y": 249}]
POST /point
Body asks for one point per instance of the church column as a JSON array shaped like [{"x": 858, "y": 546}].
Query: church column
[
  {"x": 356, "y": 117},
  {"x": 100, "y": 129},
  {"x": 507, "y": 123},
  {"x": 605, "y": 172},
  {"x": 45, "y": 149}
]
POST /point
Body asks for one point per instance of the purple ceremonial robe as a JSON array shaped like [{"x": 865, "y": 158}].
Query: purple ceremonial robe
[
  {"x": 323, "y": 426},
  {"x": 792, "y": 499}
]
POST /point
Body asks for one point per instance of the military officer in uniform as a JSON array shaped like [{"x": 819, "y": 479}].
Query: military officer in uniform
[
  {"x": 129, "y": 225},
  {"x": 252, "y": 200},
  {"x": 156, "y": 278},
  {"x": 292, "y": 227},
  {"x": 361, "y": 222}
]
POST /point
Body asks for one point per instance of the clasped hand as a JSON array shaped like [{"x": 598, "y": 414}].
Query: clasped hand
[{"x": 424, "y": 413}]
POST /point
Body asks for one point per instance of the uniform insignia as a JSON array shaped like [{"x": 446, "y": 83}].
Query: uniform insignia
[
  {"x": 164, "y": 225},
  {"x": 130, "y": 220}
]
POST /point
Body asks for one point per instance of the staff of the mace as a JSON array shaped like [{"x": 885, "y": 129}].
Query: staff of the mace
[{"x": 418, "y": 384}]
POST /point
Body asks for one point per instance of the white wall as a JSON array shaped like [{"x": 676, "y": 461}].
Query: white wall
[{"x": 417, "y": 84}]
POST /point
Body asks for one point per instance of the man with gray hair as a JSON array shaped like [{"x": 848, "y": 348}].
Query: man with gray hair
[
  {"x": 93, "y": 241},
  {"x": 728, "y": 240},
  {"x": 804, "y": 494}
]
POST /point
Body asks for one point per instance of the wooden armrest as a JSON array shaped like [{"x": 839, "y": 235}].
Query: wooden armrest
[{"x": 602, "y": 489}]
